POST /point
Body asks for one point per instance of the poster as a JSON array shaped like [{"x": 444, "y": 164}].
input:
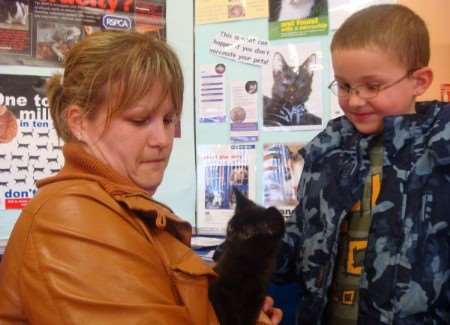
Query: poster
[
  {"x": 220, "y": 168},
  {"x": 213, "y": 11},
  {"x": 239, "y": 48},
  {"x": 292, "y": 88},
  {"x": 49, "y": 28},
  {"x": 243, "y": 111},
  {"x": 289, "y": 19},
  {"x": 29, "y": 146},
  {"x": 211, "y": 102},
  {"x": 283, "y": 166}
]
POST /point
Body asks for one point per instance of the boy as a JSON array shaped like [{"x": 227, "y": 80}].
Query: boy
[{"x": 369, "y": 241}]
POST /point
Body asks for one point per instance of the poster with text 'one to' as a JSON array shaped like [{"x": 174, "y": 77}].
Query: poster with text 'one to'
[{"x": 29, "y": 146}]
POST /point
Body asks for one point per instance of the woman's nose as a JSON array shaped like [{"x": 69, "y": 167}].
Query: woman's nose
[{"x": 159, "y": 134}]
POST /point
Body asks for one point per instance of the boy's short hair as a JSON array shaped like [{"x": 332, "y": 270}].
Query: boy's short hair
[{"x": 391, "y": 27}]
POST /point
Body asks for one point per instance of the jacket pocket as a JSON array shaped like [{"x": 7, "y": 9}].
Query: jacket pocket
[
  {"x": 426, "y": 251},
  {"x": 191, "y": 276}
]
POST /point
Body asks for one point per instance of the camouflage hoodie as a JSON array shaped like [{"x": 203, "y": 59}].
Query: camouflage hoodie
[{"x": 406, "y": 268}]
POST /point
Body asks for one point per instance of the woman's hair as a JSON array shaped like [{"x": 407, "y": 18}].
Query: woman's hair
[
  {"x": 113, "y": 69},
  {"x": 393, "y": 28}
]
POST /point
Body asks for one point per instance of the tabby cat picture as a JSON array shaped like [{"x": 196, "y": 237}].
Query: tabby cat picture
[
  {"x": 292, "y": 86},
  {"x": 246, "y": 262}
]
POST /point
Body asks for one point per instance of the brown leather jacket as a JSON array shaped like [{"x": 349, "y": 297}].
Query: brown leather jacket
[{"x": 91, "y": 248}]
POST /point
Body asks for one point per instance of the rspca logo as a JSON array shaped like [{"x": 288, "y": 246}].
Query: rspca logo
[{"x": 116, "y": 22}]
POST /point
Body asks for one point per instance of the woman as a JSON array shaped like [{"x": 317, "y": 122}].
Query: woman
[{"x": 92, "y": 247}]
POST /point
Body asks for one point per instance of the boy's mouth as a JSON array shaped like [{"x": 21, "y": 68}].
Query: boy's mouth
[{"x": 361, "y": 116}]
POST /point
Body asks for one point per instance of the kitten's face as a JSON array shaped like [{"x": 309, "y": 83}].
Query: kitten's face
[
  {"x": 292, "y": 85},
  {"x": 253, "y": 221}
]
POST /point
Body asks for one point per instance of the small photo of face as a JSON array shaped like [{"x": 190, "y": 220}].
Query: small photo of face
[
  {"x": 236, "y": 11},
  {"x": 89, "y": 30},
  {"x": 251, "y": 86},
  {"x": 220, "y": 68},
  {"x": 237, "y": 114},
  {"x": 8, "y": 125}
]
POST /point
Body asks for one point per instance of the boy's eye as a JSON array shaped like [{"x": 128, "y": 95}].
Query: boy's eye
[
  {"x": 372, "y": 87},
  {"x": 343, "y": 86}
]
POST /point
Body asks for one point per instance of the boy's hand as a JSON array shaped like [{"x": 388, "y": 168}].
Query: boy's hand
[{"x": 275, "y": 314}]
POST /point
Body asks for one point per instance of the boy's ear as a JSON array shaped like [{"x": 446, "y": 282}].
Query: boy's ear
[
  {"x": 74, "y": 118},
  {"x": 423, "y": 78}
]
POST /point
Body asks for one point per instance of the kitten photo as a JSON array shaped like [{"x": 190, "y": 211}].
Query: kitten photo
[
  {"x": 295, "y": 163},
  {"x": 292, "y": 86},
  {"x": 280, "y": 10},
  {"x": 283, "y": 166},
  {"x": 246, "y": 262}
]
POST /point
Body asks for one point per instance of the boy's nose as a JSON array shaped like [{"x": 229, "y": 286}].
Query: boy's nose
[{"x": 354, "y": 99}]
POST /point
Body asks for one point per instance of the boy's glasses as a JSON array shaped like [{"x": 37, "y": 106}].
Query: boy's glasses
[{"x": 343, "y": 90}]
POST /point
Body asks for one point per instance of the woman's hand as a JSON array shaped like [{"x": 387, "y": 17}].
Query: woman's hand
[{"x": 275, "y": 314}]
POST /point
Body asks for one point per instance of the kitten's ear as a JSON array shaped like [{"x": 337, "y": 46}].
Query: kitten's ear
[
  {"x": 276, "y": 222},
  {"x": 274, "y": 212},
  {"x": 310, "y": 60},
  {"x": 278, "y": 63},
  {"x": 241, "y": 200}
]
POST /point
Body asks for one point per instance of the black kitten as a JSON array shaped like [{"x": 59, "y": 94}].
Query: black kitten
[
  {"x": 291, "y": 89},
  {"x": 246, "y": 262}
]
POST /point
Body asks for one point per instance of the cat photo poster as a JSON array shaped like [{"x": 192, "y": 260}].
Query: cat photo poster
[
  {"x": 291, "y": 88},
  {"x": 295, "y": 18},
  {"x": 220, "y": 168}
]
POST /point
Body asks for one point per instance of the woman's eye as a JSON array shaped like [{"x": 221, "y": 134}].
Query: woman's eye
[
  {"x": 169, "y": 120},
  {"x": 139, "y": 122}
]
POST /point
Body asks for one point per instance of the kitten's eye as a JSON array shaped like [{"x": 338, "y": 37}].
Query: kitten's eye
[{"x": 291, "y": 88}]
